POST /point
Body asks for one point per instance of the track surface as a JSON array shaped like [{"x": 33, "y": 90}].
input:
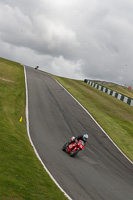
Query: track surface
[{"x": 100, "y": 172}]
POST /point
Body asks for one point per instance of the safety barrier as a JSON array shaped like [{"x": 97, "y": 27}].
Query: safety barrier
[{"x": 115, "y": 94}]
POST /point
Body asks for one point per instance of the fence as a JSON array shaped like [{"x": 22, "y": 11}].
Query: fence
[{"x": 115, "y": 94}]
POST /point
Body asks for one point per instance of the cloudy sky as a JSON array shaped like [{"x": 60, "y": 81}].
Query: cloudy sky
[{"x": 71, "y": 38}]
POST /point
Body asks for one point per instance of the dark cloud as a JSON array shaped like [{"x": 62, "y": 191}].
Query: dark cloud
[{"x": 78, "y": 39}]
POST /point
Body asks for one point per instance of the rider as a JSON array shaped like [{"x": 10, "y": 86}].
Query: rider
[{"x": 80, "y": 137}]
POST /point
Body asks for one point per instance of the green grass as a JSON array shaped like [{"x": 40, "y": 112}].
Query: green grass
[
  {"x": 22, "y": 176},
  {"x": 114, "y": 116}
]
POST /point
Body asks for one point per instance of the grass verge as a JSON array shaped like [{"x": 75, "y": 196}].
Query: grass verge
[
  {"x": 22, "y": 176},
  {"x": 114, "y": 116}
]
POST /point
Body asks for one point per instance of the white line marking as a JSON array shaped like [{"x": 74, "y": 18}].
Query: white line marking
[
  {"x": 95, "y": 121},
  {"x": 28, "y": 131}
]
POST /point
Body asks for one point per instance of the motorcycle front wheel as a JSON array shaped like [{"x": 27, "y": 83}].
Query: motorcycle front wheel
[{"x": 73, "y": 153}]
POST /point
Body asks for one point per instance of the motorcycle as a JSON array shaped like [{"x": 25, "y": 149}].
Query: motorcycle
[
  {"x": 36, "y": 67},
  {"x": 73, "y": 148}
]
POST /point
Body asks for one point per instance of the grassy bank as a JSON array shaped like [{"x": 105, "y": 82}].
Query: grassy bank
[
  {"x": 22, "y": 176},
  {"x": 115, "y": 117}
]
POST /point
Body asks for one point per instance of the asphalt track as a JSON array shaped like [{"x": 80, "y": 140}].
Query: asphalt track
[{"x": 100, "y": 171}]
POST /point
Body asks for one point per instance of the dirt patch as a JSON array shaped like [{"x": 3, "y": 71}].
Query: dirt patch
[{"x": 6, "y": 80}]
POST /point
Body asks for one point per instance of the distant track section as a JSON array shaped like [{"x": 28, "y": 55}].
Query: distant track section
[{"x": 115, "y": 94}]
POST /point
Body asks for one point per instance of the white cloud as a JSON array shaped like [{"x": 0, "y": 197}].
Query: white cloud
[
  {"x": 90, "y": 39},
  {"x": 71, "y": 67}
]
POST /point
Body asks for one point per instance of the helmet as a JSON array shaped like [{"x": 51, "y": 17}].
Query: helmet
[
  {"x": 85, "y": 137},
  {"x": 72, "y": 139}
]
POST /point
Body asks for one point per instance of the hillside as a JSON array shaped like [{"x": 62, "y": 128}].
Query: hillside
[{"x": 22, "y": 176}]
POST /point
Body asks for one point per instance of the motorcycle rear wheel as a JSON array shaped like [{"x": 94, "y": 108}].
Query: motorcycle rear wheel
[{"x": 65, "y": 146}]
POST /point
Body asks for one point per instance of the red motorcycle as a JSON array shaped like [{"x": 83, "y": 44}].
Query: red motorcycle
[{"x": 73, "y": 148}]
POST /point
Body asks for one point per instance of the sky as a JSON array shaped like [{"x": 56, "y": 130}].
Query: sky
[{"x": 71, "y": 38}]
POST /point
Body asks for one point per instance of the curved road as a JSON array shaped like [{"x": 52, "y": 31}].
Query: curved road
[{"x": 100, "y": 172}]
